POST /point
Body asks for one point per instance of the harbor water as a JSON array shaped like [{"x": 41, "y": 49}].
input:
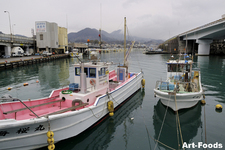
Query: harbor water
[{"x": 141, "y": 121}]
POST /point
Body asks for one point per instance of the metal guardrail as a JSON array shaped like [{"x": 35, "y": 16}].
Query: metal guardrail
[
  {"x": 167, "y": 84},
  {"x": 16, "y": 39},
  {"x": 203, "y": 26}
]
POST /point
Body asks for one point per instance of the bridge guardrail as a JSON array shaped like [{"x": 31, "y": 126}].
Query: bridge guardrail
[{"x": 15, "y": 39}]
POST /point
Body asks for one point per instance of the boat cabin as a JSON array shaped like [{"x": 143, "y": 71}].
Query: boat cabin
[
  {"x": 179, "y": 69},
  {"x": 94, "y": 80},
  {"x": 96, "y": 75}
]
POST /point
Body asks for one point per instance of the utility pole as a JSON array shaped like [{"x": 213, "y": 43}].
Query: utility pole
[
  {"x": 9, "y": 23},
  {"x": 124, "y": 39}
]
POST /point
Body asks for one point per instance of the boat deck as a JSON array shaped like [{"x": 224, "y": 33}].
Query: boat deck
[
  {"x": 50, "y": 105},
  {"x": 41, "y": 107},
  {"x": 182, "y": 86}
]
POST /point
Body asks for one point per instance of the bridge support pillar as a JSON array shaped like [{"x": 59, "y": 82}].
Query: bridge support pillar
[
  {"x": 8, "y": 51},
  {"x": 204, "y": 47},
  {"x": 27, "y": 50}
]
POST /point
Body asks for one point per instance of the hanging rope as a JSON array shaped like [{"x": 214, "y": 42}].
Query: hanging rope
[
  {"x": 159, "y": 134},
  {"x": 178, "y": 143},
  {"x": 151, "y": 136},
  {"x": 109, "y": 94},
  {"x": 162, "y": 125},
  {"x": 205, "y": 126},
  {"x": 102, "y": 109},
  {"x": 178, "y": 123},
  {"x": 163, "y": 121},
  {"x": 49, "y": 126}
]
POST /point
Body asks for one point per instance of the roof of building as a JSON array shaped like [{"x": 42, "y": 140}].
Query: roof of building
[{"x": 79, "y": 45}]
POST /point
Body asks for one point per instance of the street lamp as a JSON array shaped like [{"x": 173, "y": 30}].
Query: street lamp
[
  {"x": 9, "y": 23},
  {"x": 13, "y": 31}
]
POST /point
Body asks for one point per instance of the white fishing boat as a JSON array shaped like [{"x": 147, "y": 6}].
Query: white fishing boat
[
  {"x": 183, "y": 88},
  {"x": 75, "y": 53},
  {"x": 93, "y": 54},
  {"x": 67, "y": 112}
]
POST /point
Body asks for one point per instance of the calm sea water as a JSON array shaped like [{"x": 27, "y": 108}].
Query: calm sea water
[{"x": 138, "y": 122}]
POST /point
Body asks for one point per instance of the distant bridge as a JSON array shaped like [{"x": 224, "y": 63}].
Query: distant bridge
[
  {"x": 8, "y": 41},
  {"x": 204, "y": 35}
]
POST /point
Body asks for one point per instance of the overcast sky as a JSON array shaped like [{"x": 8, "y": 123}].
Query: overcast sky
[{"x": 156, "y": 19}]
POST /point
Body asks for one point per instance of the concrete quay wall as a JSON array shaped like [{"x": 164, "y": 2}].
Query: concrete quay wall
[{"x": 6, "y": 63}]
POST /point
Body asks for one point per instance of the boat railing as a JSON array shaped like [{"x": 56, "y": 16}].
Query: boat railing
[
  {"x": 78, "y": 89},
  {"x": 29, "y": 107},
  {"x": 178, "y": 86},
  {"x": 163, "y": 85}
]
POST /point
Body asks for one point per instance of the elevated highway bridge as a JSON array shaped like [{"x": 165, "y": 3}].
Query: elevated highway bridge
[
  {"x": 204, "y": 35},
  {"x": 8, "y": 41}
]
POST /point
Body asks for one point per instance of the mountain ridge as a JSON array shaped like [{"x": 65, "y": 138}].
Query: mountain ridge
[{"x": 115, "y": 36}]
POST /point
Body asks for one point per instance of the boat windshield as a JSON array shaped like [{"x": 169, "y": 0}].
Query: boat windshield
[
  {"x": 92, "y": 72},
  {"x": 102, "y": 71},
  {"x": 77, "y": 71}
]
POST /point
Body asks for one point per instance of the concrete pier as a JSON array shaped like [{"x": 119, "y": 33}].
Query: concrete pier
[
  {"x": 6, "y": 63},
  {"x": 204, "y": 47}
]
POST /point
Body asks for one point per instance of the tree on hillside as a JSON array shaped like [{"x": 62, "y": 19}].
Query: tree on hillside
[{"x": 94, "y": 41}]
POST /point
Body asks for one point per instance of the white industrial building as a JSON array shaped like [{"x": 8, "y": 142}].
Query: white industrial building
[{"x": 46, "y": 36}]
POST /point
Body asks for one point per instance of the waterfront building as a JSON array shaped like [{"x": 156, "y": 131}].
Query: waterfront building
[
  {"x": 63, "y": 39},
  {"x": 46, "y": 36}
]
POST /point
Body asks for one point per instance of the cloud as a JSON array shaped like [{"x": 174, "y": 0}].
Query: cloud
[
  {"x": 144, "y": 17},
  {"x": 159, "y": 19},
  {"x": 131, "y": 3}
]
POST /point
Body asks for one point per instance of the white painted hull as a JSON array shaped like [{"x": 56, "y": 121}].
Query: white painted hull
[
  {"x": 31, "y": 133},
  {"x": 182, "y": 100}
]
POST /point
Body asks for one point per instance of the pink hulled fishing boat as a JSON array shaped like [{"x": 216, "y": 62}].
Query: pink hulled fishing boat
[{"x": 67, "y": 112}]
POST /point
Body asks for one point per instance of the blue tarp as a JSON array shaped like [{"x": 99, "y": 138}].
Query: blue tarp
[
  {"x": 166, "y": 86},
  {"x": 73, "y": 86}
]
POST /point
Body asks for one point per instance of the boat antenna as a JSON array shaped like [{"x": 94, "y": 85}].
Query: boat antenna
[
  {"x": 124, "y": 39},
  {"x": 100, "y": 32},
  {"x": 100, "y": 38},
  {"x": 66, "y": 22},
  {"x": 186, "y": 45},
  {"x": 100, "y": 15}
]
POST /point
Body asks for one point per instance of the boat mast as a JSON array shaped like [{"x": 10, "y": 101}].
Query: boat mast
[
  {"x": 100, "y": 38},
  {"x": 124, "y": 40},
  {"x": 186, "y": 45},
  {"x": 83, "y": 83}
]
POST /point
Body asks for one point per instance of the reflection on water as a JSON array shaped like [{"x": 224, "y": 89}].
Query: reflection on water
[
  {"x": 190, "y": 121},
  {"x": 51, "y": 75},
  {"x": 212, "y": 70},
  {"x": 119, "y": 132},
  {"x": 98, "y": 137}
]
